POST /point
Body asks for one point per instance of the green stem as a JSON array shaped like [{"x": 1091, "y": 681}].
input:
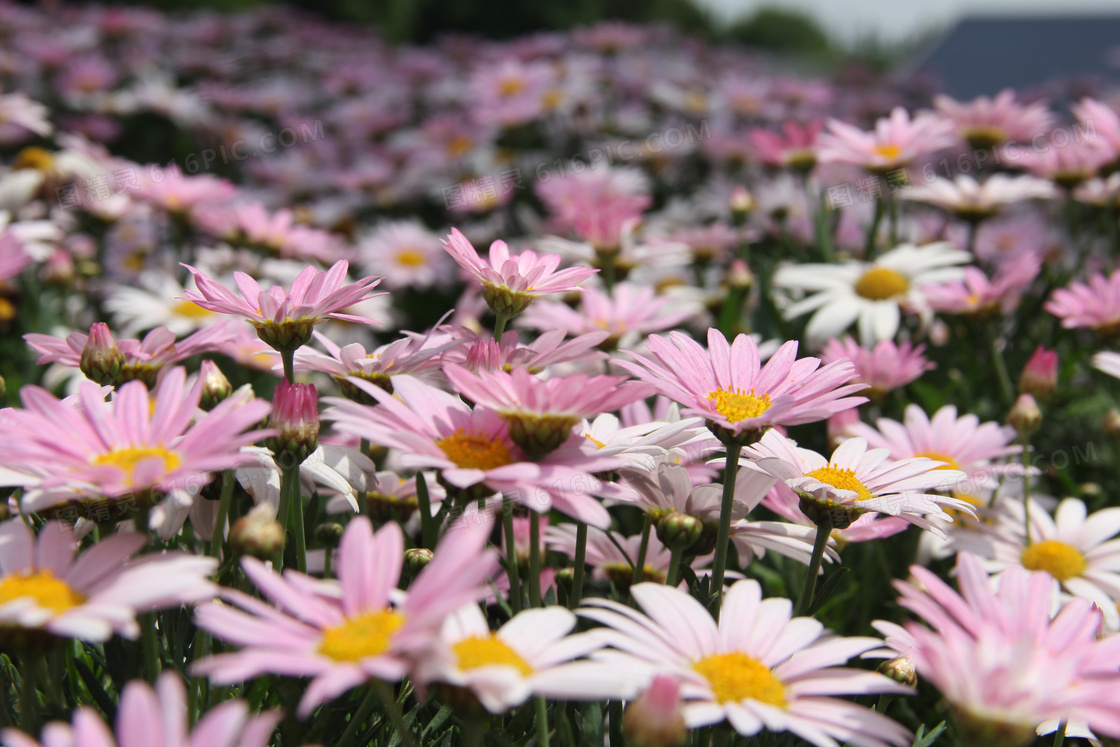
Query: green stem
[
  {"x": 884, "y": 703},
  {"x": 534, "y": 559},
  {"x": 512, "y": 572},
  {"x": 674, "y": 567},
  {"x": 580, "y": 562},
  {"x": 1005, "y": 387},
  {"x": 472, "y": 731},
  {"x": 806, "y": 599},
  {"x": 500, "y": 326},
  {"x": 640, "y": 562},
  {"x": 389, "y": 700},
  {"x": 719, "y": 565},
  {"x": 1060, "y": 734},
  {"x": 614, "y": 714},
  {"x": 288, "y": 358},
  {"x": 357, "y": 719},
  {"x": 289, "y": 484},
  {"x": 218, "y": 536},
  {"x": 608, "y": 273},
  {"x": 542, "y": 722},
  {"x": 428, "y": 524},
  {"x": 869, "y": 247},
  {"x": 149, "y": 639}
]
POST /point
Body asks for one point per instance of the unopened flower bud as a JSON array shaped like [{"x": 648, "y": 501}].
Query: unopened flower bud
[
  {"x": 416, "y": 558},
  {"x": 258, "y": 533},
  {"x": 739, "y": 275},
  {"x": 329, "y": 534},
  {"x": 901, "y": 670},
  {"x": 679, "y": 531},
  {"x": 1040, "y": 377},
  {"x": 215, "y": 385},
  {"x": 58, "y": 270},
  {"x": 656, "y": 718},
  {"x": 1025, "y": 417},
  {"x": 295, "y": 416},
  {"x": 101, "y": 359},
  {"x": 1111, "y": 423},
  {"x": 564, "y": 577},
  {"x": 742, "y": 203}
]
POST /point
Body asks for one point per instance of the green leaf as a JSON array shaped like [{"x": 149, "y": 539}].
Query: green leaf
[{"x": 921, "y": 739}]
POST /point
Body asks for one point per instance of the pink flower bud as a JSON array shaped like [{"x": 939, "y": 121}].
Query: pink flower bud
[
  {"x": 1025, "y": 417},
  {"x": 1040, "y": 377},
  {"x": 656, "y": 718},
  {"x": 295, "y": 416},
  {"x": 101, "y": 359}
]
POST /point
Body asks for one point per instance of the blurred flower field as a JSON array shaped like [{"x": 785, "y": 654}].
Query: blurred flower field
[{"x": 592, "y": 387}]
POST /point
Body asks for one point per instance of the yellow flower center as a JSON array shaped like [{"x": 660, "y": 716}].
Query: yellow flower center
[
  {"x": 736, "y": 405},
  {"x": 937, "y": 456},
  {"x": 1060, "y": 560},
  {"x": 478, "y": 651},
  {"x": 844, "y": 479},
  {"x": 411, "y": 258},
  {"x": 736, "y": 677},
  {"x": 191, "y": 310},
  {"x": 459, "y": 145},
  {"x": 7, "y": 310},
  {"x": 879, "y": 284},
  {"x": 128, "y": 458},
  {"x": 34, "y": 157},
  {"x": 511, "y": 87},
  {"x": 48, "y": 591},
  {"x": 475, "y": 450},
  {"x": 889, "y": 151},
  {"x": 361, "y": 637}
]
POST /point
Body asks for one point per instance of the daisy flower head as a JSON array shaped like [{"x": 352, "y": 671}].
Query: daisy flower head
[
  {"x": 1108, "y": 362},
  {"x": 739, "y": 398},
  {"x": 974, "y": 201},
  {"x": 980, "y": 297},
  {"x": 987, "y": 122},
  {"x": 896, "y": 141},
  {"x": 1003, "y": 660},
  {"x": 1095, "y": 305},
  {"x": 156, "y": 301},
  {"x": 532, "y": 654},
  {"x": 129, "y": 447},
  {"x": 883, "y": 368},
  {"x": 757, "y": 668},
  {"x": 1077, "y": 549},
  {"x": 511, "y": 282},
  {"x": 549, "y": 349},
  {"x": 472, "y": 449},
  {"x": 157, "y": 717},
  {"x": 858, "y": 480},
  {"x": 284, "y": 319},
  {"x": 344, "y": 633},
  {"x": 542, "y": 412},
  {"x": 874, "y": 294},
  {"x": 48, "y": 589},
  {"x": 409, "y": 254}
]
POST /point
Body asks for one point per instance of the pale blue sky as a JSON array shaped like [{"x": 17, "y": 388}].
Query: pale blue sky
[{"x": 898, "y": 20}]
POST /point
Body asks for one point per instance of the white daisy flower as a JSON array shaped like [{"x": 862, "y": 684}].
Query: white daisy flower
[
  {"x": 872, "y": 293},
  {"x": 156, "y": 301}
]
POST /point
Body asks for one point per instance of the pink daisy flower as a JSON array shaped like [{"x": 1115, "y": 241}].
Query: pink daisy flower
[
  {"x": 472, "y": 449},
  {"x": 974, "y": 201},
  {"x": 46, "y": 587},
  {"x": 143, "y": 359},
  {"x": 987, "y": 122},
  {"x": 597, "y": 205},
  {"x": 409, "y": 254},
  {"x": 628, "y": 313},
  {"x": 532, "y": 654},
  {"x": 127, "y": 447},
  {"x": 542, "y": 412},
  {"x": 977, "y": 295},
  {"x": 758, "y": 668},
  {"x": 549, "y": 349},
  {"x": 857, "y": 480},
  {"x": 1003, "y": 662},
  {"x": 511, "y": 282},
  {"x": 726, "y": 386},
  {"x": 1095, "y": 305},
  {"x": 284, "y": 319},
  {"x": 346, "y": 632},
  {"x": 251, "y": 224},
  {"x": 177, "y": 193},
  {"x": 1077, "y": 162},
  {"x": 895, "y": 142},
  {"x": 794, "y": 148},
  {"x": 157, "y": 717},
  {"x": 884, "y": 368},
  {"x": 976, "y": 449}
]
